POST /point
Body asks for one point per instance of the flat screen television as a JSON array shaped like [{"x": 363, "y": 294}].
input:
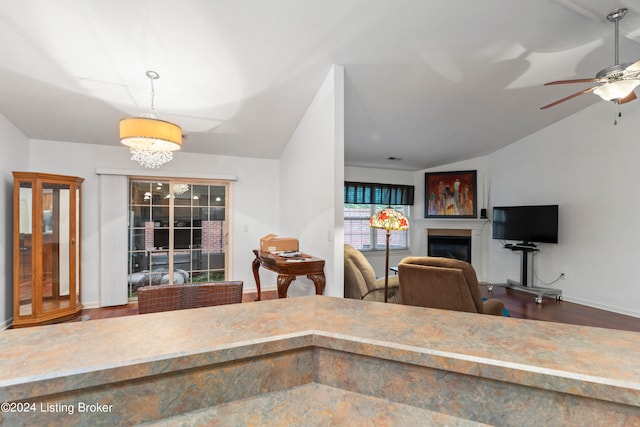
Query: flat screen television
[{"x": 526, "y": 224}]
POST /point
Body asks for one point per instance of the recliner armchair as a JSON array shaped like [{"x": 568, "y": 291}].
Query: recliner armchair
[
  {"x": 443, "y": 283},
  {"x": 360, "y": 280}
]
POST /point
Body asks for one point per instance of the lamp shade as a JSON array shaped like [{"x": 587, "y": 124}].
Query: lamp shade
[
  {"x": 389, "y": 219},
  {"x": 145, "y": 132}
]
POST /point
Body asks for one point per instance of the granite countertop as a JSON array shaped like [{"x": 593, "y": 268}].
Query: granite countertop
[{"x": 581, "y": 360}]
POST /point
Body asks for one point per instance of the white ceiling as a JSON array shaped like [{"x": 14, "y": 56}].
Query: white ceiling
[{"x": 431, "y": 82}]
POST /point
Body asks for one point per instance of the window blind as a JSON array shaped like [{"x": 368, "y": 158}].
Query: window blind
[
  {"x": 113, "y": 240},
  {"x": 378, "y": 194}
]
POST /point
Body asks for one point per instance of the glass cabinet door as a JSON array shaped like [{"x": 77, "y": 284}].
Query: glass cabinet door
[
  {"x": 75, "y": 236},
  {"x": 56, "y": 246},
  {"x": 47, "y": 248},
  {"x": 25, "y": 247}
]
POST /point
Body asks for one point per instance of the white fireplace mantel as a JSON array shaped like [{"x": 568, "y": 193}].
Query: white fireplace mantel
[
  {"x": 476, "y": 226},
  {"x": 462, "y": 224}
]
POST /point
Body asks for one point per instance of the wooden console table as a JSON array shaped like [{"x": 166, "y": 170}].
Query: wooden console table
[{"x": 288, "y": 269}]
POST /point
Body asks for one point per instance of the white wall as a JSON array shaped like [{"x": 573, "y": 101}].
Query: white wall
[
  {"x": 377, "y": 259},
  {"x": 14, "y": 147},
  {"x": 255, "y": 198},
  {"x": 311, "y": 183},
  {"x": 590, "y": 168}
]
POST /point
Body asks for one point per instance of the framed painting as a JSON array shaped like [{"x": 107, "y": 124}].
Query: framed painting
[{"x": 450, "y": 194}]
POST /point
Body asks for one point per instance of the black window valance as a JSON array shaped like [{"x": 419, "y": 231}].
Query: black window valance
[{"x": 378, "y": 194}]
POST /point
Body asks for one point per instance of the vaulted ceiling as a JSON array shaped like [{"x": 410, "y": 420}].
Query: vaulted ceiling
[{"x": 428, "y": 82}]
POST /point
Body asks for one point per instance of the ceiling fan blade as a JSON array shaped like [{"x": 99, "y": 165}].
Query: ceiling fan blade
[
  {"x": 591, "y": 89},
  {"x": 627, "y": 98},
  {"x": 561, "y": 82}
]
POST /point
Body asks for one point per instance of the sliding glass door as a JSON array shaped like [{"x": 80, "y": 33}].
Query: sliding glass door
[{"x": 178, "y": 232}]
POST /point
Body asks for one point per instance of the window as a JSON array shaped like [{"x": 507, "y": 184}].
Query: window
[
  {"x": 358, "y": 234},
  {"x": 361, "y": 201},
  {"x": 177, "y": 232}
]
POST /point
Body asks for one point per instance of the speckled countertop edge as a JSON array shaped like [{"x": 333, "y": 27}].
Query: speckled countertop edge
[{"x": 586, "y": 361}]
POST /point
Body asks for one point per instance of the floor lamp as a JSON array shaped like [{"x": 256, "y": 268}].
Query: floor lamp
[{"x": 388, "y": 219}]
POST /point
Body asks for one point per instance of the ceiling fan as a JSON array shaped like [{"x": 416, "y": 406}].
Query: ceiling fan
[{"x": 614, "y": 83}]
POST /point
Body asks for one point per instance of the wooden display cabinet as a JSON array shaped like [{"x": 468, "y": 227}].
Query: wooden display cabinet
[{"x": 46, "y": 250}]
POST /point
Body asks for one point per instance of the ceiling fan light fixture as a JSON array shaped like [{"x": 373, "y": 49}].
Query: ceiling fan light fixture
[
  {"x": 615, "y": 83},
  {"x": 150, "y": 140},
  {"x": 616, "y": 90}
]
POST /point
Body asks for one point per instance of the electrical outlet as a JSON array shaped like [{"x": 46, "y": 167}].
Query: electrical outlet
[{"x": 562, "y": 276}]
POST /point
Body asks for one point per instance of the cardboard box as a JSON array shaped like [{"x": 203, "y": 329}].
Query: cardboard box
[{"x": 273, "y": 243}]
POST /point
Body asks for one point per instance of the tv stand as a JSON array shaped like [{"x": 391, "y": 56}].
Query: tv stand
[{"x": 539, "y": 291}]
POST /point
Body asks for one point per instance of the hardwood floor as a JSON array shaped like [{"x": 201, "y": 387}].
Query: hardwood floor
[{"x": 520, "y": 305}]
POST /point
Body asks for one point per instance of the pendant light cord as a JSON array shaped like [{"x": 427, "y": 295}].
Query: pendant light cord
[
  {"x": 153, "y": 76},
  {"x": 153, "y": 94}
]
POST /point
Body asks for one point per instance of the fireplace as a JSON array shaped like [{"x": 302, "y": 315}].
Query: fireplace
[
  {"x": 475, "y": 229},
  {"x": 449, "y": 243}
]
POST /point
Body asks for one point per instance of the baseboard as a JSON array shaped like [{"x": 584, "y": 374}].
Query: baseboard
[
  {"x": 93, "y": 304},
  {"x": 591, "y": 304},
  {"x": 262, "y": 289},
  {"x": 6, "y": 323}
]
